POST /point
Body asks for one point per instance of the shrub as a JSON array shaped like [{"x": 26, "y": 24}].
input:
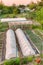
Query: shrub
[
  {"x": 24, "y": 61},
  {"x": 15, "y": 61},
  {"x": 30, "y": 58},
  {"x": 36, "y": 26},
  {"x": 27, "y": 59}
]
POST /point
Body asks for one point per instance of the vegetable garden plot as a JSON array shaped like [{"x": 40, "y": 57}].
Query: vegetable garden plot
[
  {"x": 35, "y": 39},
  {"x": 40, "y": 33}
]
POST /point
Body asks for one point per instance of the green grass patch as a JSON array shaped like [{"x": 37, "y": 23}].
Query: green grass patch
[{"x": 3, "y": 27}]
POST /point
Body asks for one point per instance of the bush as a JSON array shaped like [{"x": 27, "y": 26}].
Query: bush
[
  {"x": 27, "y": 59},
  {"x": 15, "y": 61},
  {"x": 30, "y": 58},
  {"x": 36, "y": 26},
  {"x": 24, "y": 61}
]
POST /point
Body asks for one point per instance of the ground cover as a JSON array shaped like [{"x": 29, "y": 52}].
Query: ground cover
[
  {"x": 35, "y": 39},
  {"x": 3, "y": 27},
  {"x": 39, "y": 32}
]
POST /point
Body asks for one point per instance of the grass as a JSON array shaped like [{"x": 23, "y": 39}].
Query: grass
[
  {"x": 3, "y": 27},
  {"x": 7, "y": 15}
]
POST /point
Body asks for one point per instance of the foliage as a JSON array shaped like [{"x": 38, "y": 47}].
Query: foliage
[
  {"x": 27, "y": 60},
  {"x": 32, "y": 5},
  {"x": 15, "y": 61},
  {"x": 5, "y": 10},
  {"x": 30, "y": 58},
  {"x": 39, "y": 14},
  {"x": 18, "y": 61},
  {"x": 1, "y": 6},
  {"x": 36, "y": 26},
  {"x": 16, "y": 11},
  {"x": 9, "y": 9},
  {"x": 21, "y": 6},
  {"x": 3, "y": 27},
  {"x": 41, "y": 3},
  {"x": 35, "y": 39},
  {"x": 24, "y": 61}
]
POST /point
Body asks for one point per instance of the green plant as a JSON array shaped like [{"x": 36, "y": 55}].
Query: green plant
[
  {"x": 30, "y": 58},
  {"x": 27, "y": 60},
  {"x": 36, "y": 26},
  {"x": 3, "y": 26},
  {"x": 15, "y": 61},
  {"x": 35, "y": 39},
  {"x": 24, "y": 61}
]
